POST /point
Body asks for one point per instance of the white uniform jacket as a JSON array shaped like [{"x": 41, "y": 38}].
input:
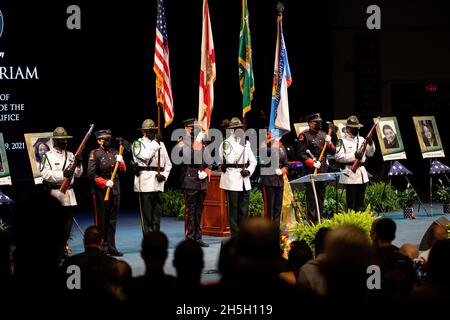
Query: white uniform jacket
[
  {"x": 234, "y": 153},
  {"x": 345, "y": 154},
  {"x": 146, "y": 156},
  {"x": 52, "y": 167}
]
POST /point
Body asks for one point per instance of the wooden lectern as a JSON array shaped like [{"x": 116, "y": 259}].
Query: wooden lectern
[{"x": 215, "y": 214}]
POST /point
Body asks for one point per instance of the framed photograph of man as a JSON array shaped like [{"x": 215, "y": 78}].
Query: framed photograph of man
[
  {"x": 5, "y": 176},
  {"x": 37, "y": 145},
  {"x": 429, "y": 138},
  {"x": 300, "y": 127},
  {"x": 391, "y": 143},
  {"x": 340, "y": 124}
]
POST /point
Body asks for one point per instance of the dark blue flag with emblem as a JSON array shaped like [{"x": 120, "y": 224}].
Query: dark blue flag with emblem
[
  {"x": 397, "y": 169},
  {"x": 438, "y": 168},
  {"x": 4, "y": 199}
]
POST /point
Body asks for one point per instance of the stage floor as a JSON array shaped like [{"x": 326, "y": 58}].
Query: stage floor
[{"x": 129, "y": 237}]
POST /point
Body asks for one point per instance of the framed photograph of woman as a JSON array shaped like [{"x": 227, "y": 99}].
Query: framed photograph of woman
[
  {"x": 429, "y": 138},
  {"x": 300, "y": 127},
  {"x": 5, "y": 176},
  {"x": 340, "y": 124},
  {"x": 37, "y": 145},
  {"x": 391, "y": 143}
]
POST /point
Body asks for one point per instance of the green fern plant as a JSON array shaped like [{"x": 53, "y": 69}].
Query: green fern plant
[
  {"x": 407, "y": 198},
  {"x": 329, "y": 205},
  {"x": 361, "y": 219},
  {"x": 256, "y": 206},
  {"x": 381, "y": 197},
  {"x": 442, "y": 193},
  {"x": 3, "y": 226},
  {"x": 299, "y": 195},
  {"x": 173, "y": 203}
]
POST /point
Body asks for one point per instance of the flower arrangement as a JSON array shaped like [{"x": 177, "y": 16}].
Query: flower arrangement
[
  {"x": 442, "y": 193},
  {"x": 285, "y": 244},
  {"x": 407, "y": 198}
]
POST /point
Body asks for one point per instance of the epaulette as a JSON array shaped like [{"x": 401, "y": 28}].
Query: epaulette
[
  {"x": 301, "y": 136},
  {"x": 92, "y": 154}
]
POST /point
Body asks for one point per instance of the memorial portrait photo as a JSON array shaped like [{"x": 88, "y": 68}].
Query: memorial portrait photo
[
  {"x": 37, "y": 145},
  {"x": 300, "y": 127},
  {"x": 428, "y": 136},
  {"x": 391, "y": 143},
  {"x": 340, "y": 123},
  {"x": 5, "y": 177}
]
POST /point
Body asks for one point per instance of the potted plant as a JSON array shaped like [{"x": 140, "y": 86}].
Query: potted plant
[
  {"x": 406, "y": 199},
  {"x": 443, "y": 195}
]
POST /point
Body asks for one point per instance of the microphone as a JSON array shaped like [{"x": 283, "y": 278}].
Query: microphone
[{"x": 310, "y": 154}]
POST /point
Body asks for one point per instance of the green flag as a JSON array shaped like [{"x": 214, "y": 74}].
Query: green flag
[{"x": 245, "y": 62}]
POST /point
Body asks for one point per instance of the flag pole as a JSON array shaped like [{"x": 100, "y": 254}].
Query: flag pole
[
  {"x": 244, "y": 127},
  {"x": 159, "y": 132}
]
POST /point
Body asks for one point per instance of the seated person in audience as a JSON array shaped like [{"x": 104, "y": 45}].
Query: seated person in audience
[
  {"x": 299, "y": 254},
  {"x": 410, "y": 250},
  {"x": 311, "y": 274},
  {"x": 347, "y": 256},
  {"x": 436, "y": 288},
  {"x": 155, "y": 285},
  {"x": 188, "y": 261},
  {"x": 437, "y": 232},
  {"x": 94, "y": 264},
  {"x": 398, "y": 275},
  {"x": 118, "y": 280}
]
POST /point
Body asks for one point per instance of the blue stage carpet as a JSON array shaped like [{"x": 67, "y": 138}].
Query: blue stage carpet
[{"x": 129, "y": 237}]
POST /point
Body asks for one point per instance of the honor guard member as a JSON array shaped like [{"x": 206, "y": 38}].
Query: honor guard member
[
  {"x": 347, "y": 153},
  {"x": 55, "y": 167},
  {"x": 272, "y": 178},
  {"x": 239, "y": 165},
  {"x": 194, "y": 180},
  {"x": 148, "y": 182},
  {"x": 100, "y": 168},
  {"x": 311, "y": 142}
]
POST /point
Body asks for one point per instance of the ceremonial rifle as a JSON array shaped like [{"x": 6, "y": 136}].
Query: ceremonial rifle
[
  {"x": 363, "y": 147},
  {"x": 74, "y": 164}
]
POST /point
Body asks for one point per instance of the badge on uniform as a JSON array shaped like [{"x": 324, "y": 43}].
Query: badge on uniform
[
  {"x": 136, "y": 148},
  {"x": 301, "y": 137},
  {"x": 227, "y": 148}
]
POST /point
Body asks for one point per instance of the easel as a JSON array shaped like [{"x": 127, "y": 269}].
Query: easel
[
  {"x": 405, "y": 172},
  {"x": 443, "y": 170},
  {"x": 431, "y": 189},
  {"x": 420, "y": 201}
]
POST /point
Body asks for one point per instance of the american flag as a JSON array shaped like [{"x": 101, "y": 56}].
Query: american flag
[
  {"x": 397, "y": 169},
  {"x": 437, "y": 168},
  {"x": 4, "y": 199},
  {"x": 161, "y": 66}
]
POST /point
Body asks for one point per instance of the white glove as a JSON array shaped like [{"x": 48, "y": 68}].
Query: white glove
[
  {"x": 328, "y": 138},
  {"x": 279, "y": 172},
  {"x": 317, "y": 164},
  {"x": 202, "y": 175},
  {"x": 155, "y": 145},
  {"x": 119, "y": 158},
  {"x": 200, "y": 137},
  {"x": 109, "y": 183}
]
